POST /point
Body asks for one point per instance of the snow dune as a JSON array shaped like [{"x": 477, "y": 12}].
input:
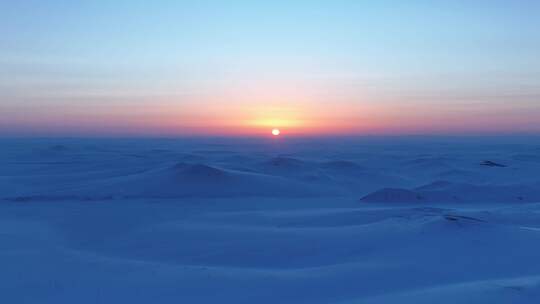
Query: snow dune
[
  {"x": 242, "y": 222},
  {"x": 448, "y": 192}
]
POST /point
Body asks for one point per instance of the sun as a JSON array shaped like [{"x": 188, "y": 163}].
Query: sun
[{"x": 275, "y": 132}]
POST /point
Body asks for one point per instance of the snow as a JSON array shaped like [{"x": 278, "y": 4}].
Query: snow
[{"x": 244, "y": 221}]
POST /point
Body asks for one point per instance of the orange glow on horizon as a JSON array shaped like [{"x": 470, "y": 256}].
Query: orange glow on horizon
[{"x": 256, "y": 116}]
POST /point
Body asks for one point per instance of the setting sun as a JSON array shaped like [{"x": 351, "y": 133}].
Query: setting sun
[{"x": 275, "y": 132}]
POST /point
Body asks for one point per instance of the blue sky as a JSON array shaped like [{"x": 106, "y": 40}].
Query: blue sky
[{"x": 212, "y": 67}]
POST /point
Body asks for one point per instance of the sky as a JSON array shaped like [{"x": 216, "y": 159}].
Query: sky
[{"x": 241, "y": 68}]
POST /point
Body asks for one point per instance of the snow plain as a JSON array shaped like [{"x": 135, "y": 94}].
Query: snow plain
[{"x": 395, "y": 220}]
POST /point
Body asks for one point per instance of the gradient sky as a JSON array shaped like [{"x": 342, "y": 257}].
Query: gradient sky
[{"x": 233, "y": 67}]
